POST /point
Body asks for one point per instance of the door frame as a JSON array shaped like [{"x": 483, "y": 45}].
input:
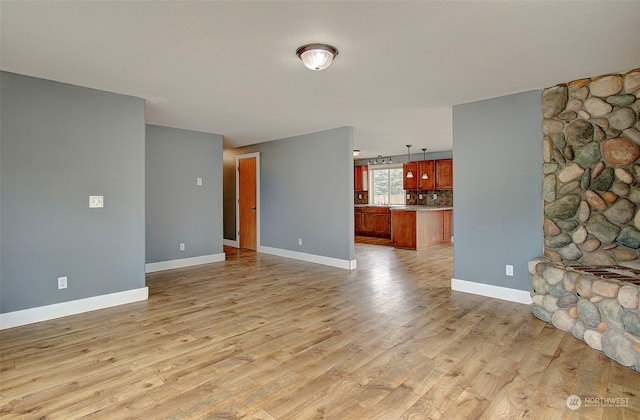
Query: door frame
[{"x": 238, "y": 158}]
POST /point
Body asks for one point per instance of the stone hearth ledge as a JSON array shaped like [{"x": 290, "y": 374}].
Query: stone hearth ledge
[{"x": 604, "y": 313}]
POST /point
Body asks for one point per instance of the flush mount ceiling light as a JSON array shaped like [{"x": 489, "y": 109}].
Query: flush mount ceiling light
[{"x": 317, "y": 56}]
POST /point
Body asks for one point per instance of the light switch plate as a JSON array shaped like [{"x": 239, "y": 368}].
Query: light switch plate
[
  {"x": 198, "y": 181},
  {"x": 96, "y": 201}
]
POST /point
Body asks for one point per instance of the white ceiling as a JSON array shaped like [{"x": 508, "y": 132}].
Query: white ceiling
[{"x": 230, "y": 67}]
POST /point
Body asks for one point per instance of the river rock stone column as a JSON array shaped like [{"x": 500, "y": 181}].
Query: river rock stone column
[{"x": 591, "y": 186}]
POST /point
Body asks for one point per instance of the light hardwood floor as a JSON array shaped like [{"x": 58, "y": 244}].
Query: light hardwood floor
[{"x": 260, "y": 336}]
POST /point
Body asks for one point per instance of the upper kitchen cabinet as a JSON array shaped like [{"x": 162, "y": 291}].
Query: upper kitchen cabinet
[
  {"x": 410, "y": 184},
  {"x": 444, "y": 174},
  {"x": 426, "y": 175},
  {"x": 361, "y": 178}
]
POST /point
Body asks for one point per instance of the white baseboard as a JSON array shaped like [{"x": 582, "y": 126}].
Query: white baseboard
[
  {"x": 73, "y": 307},
  {"x": 504, "y": 293},
  {"x": 318, "y": 259},
  {"x": 229, "y": 242},
  {"x": 183, "y": 262}
]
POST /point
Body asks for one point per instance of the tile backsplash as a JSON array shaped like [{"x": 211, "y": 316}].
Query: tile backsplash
[
  {"x": 443, "y": 198},
  {"x": 361, "y": 197}
]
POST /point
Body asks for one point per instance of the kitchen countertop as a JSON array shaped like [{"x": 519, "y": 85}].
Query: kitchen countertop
[
  {"x": 421, "y": 208},
  {"x": 409, "y": 208}
]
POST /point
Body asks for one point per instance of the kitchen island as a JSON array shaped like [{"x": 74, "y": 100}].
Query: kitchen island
[{"x": 420, "y": 227}]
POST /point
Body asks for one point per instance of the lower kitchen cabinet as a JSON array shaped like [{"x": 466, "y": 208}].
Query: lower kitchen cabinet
[
  {"x": 357, "y": 220},
  {"x": 420, "y": 229},
  {"x": 373, "y": 221},
  {"x": 447, "y": 223}
]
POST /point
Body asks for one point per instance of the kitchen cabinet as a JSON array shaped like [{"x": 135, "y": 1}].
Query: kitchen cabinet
[
  {"x": 447, "y": 223},
  {"x": 373, "y": 221},
  {"x": 444, "y": 174},
  {"x": 403, "y": 229},
  {"x": 420, "y": 228},
  {"x": 439, "y": 175},
  {"x": 426, "y": 167},
  {"x": 410, "y": 184},
  {"x": 438, "y": 227},
  {"x": 361, "y": 178}
]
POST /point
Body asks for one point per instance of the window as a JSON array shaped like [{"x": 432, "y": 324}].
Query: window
[{"x": 386, "y": 185}]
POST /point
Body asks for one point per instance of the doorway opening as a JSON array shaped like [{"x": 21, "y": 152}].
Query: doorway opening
[{"x": 248, "y": 201}]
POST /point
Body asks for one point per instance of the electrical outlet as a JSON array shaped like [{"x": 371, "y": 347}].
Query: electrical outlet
[
  {"x": 408, "y": 196},
  {"x": 182, "y": 247},
  {"x": 62, "y": 282},
  {"x": 299, "y": 241},
  {"x": 509, "y": 270},
  {"x": 435, "y": 196},
  {"x": 198, "y": 181},
  {"x": 96, "y": 201},
  {"x": 419, "y": 196}
]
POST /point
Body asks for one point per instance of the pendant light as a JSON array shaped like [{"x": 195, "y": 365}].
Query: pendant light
[
  {"x": 409, "y": 173},
  {"x": 424, "y": 157},
  {"x": 317, "y": 56}
]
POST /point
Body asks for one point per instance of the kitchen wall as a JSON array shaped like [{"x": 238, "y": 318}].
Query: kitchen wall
[
  {"x": 497, "y": 155},
  {"x": 443, "y": 197},
  {"x": 60, "y": 144},
  {"x": 177, "y": 209},
  {"x": 306, "y": 191}
]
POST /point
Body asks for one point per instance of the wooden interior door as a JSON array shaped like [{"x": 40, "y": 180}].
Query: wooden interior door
[{"x": 247, "y": 202}]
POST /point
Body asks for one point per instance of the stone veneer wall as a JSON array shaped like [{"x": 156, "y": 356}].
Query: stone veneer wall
[
  {"x": 603, "y": 313},
  {"x": 591, "y": 193},
  {"x": 591, "y": 186}
]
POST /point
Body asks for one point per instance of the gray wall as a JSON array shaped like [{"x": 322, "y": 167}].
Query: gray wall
[
  {"x": 61, "y": 143},
  {"x": 497, "y": 152},
  {"x": 178, "y": 210},
  {"x": 306, "y": 191}
]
